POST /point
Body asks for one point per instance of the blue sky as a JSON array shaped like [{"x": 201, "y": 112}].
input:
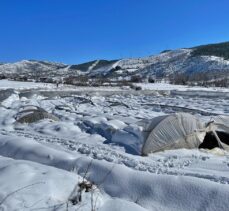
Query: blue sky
[{"x": 75, "y": 31}]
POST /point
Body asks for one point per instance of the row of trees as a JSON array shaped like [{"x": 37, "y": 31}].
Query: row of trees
[
  {"x": 215, "y": 78},
  {"x": 220, "y": 79}
]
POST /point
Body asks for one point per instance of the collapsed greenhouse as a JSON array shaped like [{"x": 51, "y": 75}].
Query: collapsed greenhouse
[
  {"x": 30, "y": 114},
  {"x": 178, "y": 130},
  {"x": 175, "y": 131}
]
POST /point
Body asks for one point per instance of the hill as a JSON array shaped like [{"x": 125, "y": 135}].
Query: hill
[
  {"x": 219, "y": 49},
  {"x": 208, "y": 61}
]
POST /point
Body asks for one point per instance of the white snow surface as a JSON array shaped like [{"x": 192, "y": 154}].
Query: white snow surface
[
  {"x": 98, "y": 136},
  {"x": 167, "y": 86},
  {"x": 20, "y": 85}
]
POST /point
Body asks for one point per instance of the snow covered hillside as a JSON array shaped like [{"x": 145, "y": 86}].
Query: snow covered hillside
[
  {"x": 166, "y": 63},
  {"x": 87, "y": 157}
]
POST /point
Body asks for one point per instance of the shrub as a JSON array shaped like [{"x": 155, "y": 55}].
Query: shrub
[{"x": 136, "y": 79}]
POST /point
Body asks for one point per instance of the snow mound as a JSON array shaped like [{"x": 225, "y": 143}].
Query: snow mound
[
  {"x": 50, "y": 187},
  {"x": 31, "y": 115}
]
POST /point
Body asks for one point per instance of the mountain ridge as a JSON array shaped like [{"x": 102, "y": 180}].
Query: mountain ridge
[{"x": 212, "y": 58}]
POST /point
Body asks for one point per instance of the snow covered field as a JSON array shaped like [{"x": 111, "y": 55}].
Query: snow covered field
[
  {"x": 96, "y": 139},
  {"x": 18, "y": 85}
]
